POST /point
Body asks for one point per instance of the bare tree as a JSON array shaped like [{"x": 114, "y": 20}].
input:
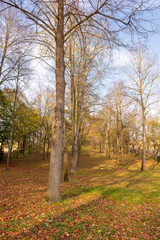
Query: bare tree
[
  {"x": 20, "y": 74},
  {"x": 11, "y": 40},
  {"x": 142, "y": 84}
]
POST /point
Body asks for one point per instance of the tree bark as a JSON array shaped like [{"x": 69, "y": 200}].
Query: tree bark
[
  {"x": 44, "y": 145},
  {"x": 75, "y": 153},
  {"x": 53, "y": 192},
  {"x": 143, "y": 167},
  {"x": 65, "y": 158},
  {"x": 13, "y": 119},
  {"x": 24, "y": 145},
  {"x": 73, "y": 96},
  {"x": 122, "y": 148},
  {"x": 17, "y": 150}
]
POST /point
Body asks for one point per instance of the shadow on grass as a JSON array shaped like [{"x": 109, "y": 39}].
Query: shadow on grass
[
  {"x": 102, "y": 189},
  {"x": 94, "y": 217}
]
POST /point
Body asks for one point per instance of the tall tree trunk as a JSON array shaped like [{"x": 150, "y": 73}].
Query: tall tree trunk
[
  {"x": 109, "y": 136},
  {"x": 33, "y": 144},
  {"x": 17, "y": 150},
  {"x": 48, "y": 147},
  {"x": 40, "y": 140},
  {"x": 53, "y": 192},
  {"x": 75, "y": 153},
  {"x": 73, "y": 93},
  {"x": 122, "y": 150},
  {"x": 4, "y": 49},
  {"x": 29, "y": 145},
  {"x": 24, "y": 145},
  {"x": 1, "y": 151},
  {"x": 13, "y": 119},
  {"x": 44, "y": 146},
  {"x": 117, "y": 152},
  {"x": 65, "y": 158},
  {"x": 100, "y": 147},
  {"x": 143, "y": 167}
]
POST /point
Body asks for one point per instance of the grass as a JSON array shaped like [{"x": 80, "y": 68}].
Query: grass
[{"x": 103, "y": 201}]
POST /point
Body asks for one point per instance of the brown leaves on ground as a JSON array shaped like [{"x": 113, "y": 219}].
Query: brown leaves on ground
[{"x": 103, "y": 201}]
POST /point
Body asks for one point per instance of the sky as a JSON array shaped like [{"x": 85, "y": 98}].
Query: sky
[{"x": 120, "y": 59}]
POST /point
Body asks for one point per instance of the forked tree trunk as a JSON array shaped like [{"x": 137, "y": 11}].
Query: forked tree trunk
[{"x": 53, "y": 192}]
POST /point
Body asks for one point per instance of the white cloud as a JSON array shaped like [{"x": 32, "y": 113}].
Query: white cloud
[{"x": 121, "y": 58}]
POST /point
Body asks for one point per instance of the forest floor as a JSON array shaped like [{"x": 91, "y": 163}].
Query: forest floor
[{"x": 103, "y": 201}]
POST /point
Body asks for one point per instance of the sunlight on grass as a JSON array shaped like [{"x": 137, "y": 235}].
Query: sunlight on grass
[{"x": 103, "y": 201}]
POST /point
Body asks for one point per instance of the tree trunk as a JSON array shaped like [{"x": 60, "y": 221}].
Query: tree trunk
[
  {"x": 17, "y": 150},
  {"x": 73, "y": 96},
  {"x": 48, "y": 147},
  {"x": 33, "y": 144},
  {"x": 65, "y": 158},
  {"x": 53, "y": 192},
  {"x": 129, "y": 149},
  {"x": 117, "y": 152},
  {"x": 1, "y": 151},
  {"x": 100, "y": 148},
  {"x": 143, "y": 167},
  {"x": 44, "y": 145},
  {"x": 13, "y": 119},
  {"x": 24, "y": 145},
  {"x": 29, "y": 145},
  {"x": 122, "y": 150},
  {"x": 75, "y": 153}
]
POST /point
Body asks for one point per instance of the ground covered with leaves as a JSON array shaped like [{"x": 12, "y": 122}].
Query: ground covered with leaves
[{"x": 103, "y": 201}]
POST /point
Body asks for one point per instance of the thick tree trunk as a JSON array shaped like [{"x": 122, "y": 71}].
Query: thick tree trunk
[{"x": 53, "y": 193}]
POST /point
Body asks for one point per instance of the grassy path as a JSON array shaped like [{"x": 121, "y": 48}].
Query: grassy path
[{"x": 103, "y": 201}]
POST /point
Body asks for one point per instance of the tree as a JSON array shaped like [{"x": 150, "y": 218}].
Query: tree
[
  {"x": 109, "y": 17},
  {"x": 153, "y": 132},
  {"x": 5, "y": 120},
  {"x": 142, "y": 76},
  {"x": 12, "y": 42},
  {"x": 85, "y": 69}
]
